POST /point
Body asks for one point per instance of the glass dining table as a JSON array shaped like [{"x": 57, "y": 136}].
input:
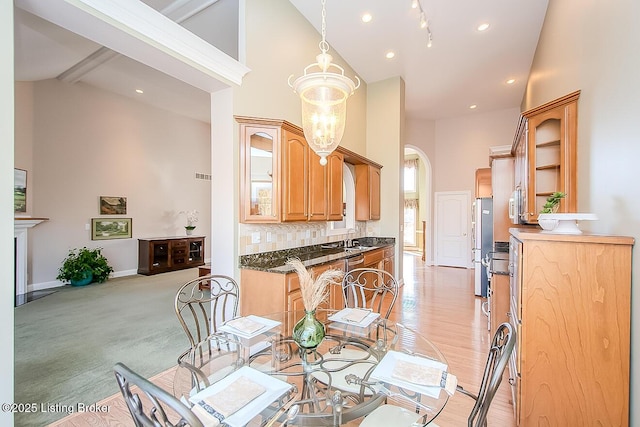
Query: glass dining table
[{"x": 349, "y": 374}]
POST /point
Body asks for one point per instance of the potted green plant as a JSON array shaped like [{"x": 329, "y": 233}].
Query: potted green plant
[
  {"x": 550, "y": 207},
  {"x": 84, "y": 266},
  {"x": 192, "y": 218},
  {"x": 553, "y": 202}
]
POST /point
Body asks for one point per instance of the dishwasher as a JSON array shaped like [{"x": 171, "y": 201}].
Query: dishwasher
[{"x": 354, "y": 262}]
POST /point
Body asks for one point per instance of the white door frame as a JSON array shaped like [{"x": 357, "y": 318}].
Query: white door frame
[{"x": 466, "y": 234}]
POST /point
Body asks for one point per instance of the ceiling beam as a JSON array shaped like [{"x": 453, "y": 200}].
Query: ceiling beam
[{"x": 142, "y": 33}]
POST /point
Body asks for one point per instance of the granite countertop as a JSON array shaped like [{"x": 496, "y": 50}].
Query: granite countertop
[{"x": 275, "y": 262}]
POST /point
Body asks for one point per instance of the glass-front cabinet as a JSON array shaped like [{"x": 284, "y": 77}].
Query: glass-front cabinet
[
  {"x": 260, "y": 171},
  {"x": 274, "y": 171},
  {"x": 546, "y": 156}
]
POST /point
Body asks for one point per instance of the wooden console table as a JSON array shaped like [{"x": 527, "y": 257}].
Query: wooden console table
[{"x": 159, "y": 255}]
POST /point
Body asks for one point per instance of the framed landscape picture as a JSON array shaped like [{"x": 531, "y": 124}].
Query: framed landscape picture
[
  {"x": 106, "y": 229},
  {"x": 20, "y": 191},
  {"x": 113, "y": 205}
]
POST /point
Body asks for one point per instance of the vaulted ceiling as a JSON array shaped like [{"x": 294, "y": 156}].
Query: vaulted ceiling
[{"x": 463, "y": 66}]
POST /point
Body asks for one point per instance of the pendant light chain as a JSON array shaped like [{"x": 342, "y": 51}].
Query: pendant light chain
[
  {"x": 324, "y": 46},
  {"x": 323, "y": 95}
]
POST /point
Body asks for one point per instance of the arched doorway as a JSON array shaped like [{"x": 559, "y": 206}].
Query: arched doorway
[{"x": 418, "y": 228}]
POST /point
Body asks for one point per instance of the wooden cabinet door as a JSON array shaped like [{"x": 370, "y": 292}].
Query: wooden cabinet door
[
  {"x": 500, "y": 302},
  {"x": 521, "y": 171},
  {"x": 295, "y": 163},
  {"x": 483, "y": 183},
  {"x": 502, "y": 187},
  {"x": 259, "y": 174},
  {"x": 195, "y": 248},
  {"x": 325, "y": 187},
  {"x": 318, "y": 188},
  {"x": 335, "y": 300},
  {"x": 388, "y": 265},
  {"x": 335, "y": 201},
  {"x": 367, "y": 192},
  {"x": 374, "y": 192},
  {"x": 295, "y": 301}
]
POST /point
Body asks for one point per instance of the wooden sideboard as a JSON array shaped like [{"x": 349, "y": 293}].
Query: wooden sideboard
[
  {"x": 159, "y": 255},
  {"x": 571, "y": 307}
]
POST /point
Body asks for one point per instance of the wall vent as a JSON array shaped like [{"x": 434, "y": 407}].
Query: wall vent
[{"x": 204, "y": 176}]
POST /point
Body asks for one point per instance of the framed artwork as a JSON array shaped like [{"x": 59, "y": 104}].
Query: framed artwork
[
  {"x": 19, "y": 191},
  {"x": 107, "y": 229},
  {"x": 113, "y": 205}
]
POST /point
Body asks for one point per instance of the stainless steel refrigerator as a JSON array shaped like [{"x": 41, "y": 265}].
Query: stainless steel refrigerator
[{"x": 482, "y": 225}]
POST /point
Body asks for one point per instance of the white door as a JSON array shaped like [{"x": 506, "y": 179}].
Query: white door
[{"x": 451, "y": 225}]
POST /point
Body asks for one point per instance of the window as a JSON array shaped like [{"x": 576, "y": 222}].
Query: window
[
  {"x": 349, "y": 202},
  {"x": 410, "y": 175},
  {"x": 410, "y": 201},
  {"x": 410, "y": 221}
]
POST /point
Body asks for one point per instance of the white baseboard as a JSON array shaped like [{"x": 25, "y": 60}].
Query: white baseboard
[
  {"x": 124, "y": 273},
  {"x": 57, "y": 283}
]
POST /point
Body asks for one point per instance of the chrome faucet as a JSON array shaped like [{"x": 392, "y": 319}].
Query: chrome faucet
[{"x": 348, "y": 243}]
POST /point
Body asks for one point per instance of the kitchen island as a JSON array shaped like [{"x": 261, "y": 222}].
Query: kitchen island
[{"x": 269, "y": 285}]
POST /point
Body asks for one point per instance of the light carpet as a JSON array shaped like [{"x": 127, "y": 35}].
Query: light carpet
[{"x": 67, "y": 343}]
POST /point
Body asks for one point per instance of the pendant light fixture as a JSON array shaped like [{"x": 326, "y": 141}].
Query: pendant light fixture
[{"x": 324, "y": 96}]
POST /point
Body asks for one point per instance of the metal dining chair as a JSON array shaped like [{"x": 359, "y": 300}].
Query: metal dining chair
[
  {"x": 502, "y": 345},
  {"x": 367, "y": 288},
  {"x": 202, "y": 305},
  {"x": 370, "y": 288},
  {"x": 161, "y": 406}
]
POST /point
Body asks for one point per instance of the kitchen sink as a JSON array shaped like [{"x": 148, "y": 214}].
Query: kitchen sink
[{"x": 359, "y": 248}]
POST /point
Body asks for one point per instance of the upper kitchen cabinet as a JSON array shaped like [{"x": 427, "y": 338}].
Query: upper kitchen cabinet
[
  {"x": 483, "y": 183},
  {"x": 260, "y": 172},
  {"x": 325, "y": 188},
  {"x": 546, "y": 156},
  {"x": 281, "y": 179},
  {"x": 294, "y": 174},
  {"x": 367, "y": 192},
  {"x": 501, "y": 189}
]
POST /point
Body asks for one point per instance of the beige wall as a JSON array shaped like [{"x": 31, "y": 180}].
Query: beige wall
[
  {"x": 6, "y": 208},
  {"x": 462, "y": 146},
  {"x": 455, "y": 148},
  {"x": 88, "y": 143},
  {"x": 593, "y": 46},
  {"x": 24, "y": 132},
  {"x": 385, "y": 145}
]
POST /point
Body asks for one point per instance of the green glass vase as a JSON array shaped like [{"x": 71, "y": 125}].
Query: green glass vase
[{"x": 308, "y": 333}]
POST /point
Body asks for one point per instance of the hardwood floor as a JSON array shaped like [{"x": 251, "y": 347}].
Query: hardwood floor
[{"x": 439, "y": 303}]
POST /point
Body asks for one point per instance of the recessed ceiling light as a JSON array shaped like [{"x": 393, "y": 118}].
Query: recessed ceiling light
[
  {"x": 511, "y": 81},
  {"x": 366, "y": 17},
  {"x": 414, "y": 4},
  {"x": 139, "y": 91},
  {"x": 483, "y": 27},
  {"x": 390, "y": 54},
  {"x": 473, "y": 107}
]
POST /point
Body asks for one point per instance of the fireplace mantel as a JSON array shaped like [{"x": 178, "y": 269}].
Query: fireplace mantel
[{"x": 20, "y": 228}]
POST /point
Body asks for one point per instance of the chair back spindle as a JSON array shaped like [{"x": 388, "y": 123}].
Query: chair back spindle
[
  {"x": 202, "y": 305},
  {"x": 149, "y": 404},
  {"x": 370, "y": 288}
]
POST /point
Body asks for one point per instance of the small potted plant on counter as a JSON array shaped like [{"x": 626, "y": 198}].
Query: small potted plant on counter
[
  {"x": 550, "y": 207},
  {"x": 192, "y": 218},
  {"x": 84, "y": 266}
]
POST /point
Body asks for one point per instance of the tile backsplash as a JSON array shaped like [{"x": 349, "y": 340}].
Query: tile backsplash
[{"x": 256, "y": 238}]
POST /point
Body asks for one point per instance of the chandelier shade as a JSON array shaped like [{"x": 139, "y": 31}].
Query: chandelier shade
[{"x": 324, "y": 95}]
